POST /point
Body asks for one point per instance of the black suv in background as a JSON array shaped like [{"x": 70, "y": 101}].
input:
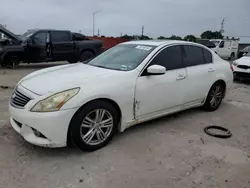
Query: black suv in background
[{"x": 46, "y": 46}]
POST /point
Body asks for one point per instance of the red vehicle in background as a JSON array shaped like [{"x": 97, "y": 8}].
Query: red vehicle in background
[{"x": 109, "y": 42}]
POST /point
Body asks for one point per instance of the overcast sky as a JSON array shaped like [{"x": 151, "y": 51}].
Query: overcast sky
[{"x": 159, "y": 17}]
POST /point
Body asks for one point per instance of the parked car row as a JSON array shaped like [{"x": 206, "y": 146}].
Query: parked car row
[
  {"x": 241, "y": 68},
  {"x": 45, "y": 46},
  {"x": 130, "y": 83},
  {"x": 225, "y": 48}
]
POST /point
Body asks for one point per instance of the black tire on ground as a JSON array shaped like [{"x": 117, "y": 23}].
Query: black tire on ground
[
  {"x": 76, "y": 136},
  {"x": 3, "y": 65},
  {"x": 86, "y": 55},
  {"x": 231, "y": 56},
  {"x": 72, "y": 61},
  {"x": 11, "y": 62},
  {"x": 218, "y": 90}
]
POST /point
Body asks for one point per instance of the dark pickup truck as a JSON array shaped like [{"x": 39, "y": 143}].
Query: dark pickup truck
[{"x": 46, "y": 46}]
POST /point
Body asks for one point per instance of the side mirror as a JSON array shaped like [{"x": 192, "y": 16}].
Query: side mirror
[{"x": 156, "y": 70}]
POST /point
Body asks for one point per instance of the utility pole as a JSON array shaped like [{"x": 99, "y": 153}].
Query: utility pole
[
  {"x": 142, "y": 31},
  {"x": 94, "y": 13},
  {"x": 222, "y": 26}
]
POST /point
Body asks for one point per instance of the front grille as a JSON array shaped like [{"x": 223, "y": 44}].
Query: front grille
[
  {"x": 243, "y": 67},
  {"x": 242, "y": 74},
  {"x": 18, "y": 99}
]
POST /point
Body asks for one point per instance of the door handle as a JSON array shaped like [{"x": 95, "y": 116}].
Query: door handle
[
  {"x": 180, "y": 77},
  {"x": 211, "y": 70}
]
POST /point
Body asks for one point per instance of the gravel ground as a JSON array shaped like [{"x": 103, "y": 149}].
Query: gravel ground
[{"x": 169, "y": 152}]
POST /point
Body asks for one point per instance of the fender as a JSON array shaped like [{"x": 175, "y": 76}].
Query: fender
[{"x": 10, "y": 50}]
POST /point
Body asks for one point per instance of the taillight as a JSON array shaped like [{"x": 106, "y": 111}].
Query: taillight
[{"x": 231, "y": 67}]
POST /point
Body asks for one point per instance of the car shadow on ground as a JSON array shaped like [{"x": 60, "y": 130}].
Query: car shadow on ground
[
  {"x": 246, "y": 82},
  {"x": 25, "y": 66}
]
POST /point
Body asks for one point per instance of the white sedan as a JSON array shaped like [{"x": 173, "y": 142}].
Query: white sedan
[
  {"x": 241, "y": 68},
  {"x": 131, "y": 83}
]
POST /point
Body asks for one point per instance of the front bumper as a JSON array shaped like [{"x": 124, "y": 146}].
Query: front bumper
[
  {"x": 240, "y": 73},
  {"x": 52, "y": 126}
]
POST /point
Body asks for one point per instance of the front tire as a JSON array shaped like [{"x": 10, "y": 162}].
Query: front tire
[
  {"x": 94, "y": 125},
  {"x": 214, "y": 97},
  {"x": 72, "y": 61}
]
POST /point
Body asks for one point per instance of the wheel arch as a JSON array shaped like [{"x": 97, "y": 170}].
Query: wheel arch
[
  {"x": 223, "y": 83},
  {"x": 112, "y": 102},
  {"x": 88, "y": 50},
  {"x": 8, "y": 53}
]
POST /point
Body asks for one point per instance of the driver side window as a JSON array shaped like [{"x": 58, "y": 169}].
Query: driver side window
[
  {"x": 40, "y": 38},
  {"x": 222, "y": 44}
]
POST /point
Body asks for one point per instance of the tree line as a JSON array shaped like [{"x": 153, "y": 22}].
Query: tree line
[{"x": 205, "y": 35}]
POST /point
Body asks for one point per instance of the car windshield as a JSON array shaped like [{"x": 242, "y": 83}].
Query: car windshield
[
  {"x": 27, "y": 34},
  {"x": 247, "y": 49},
  {"x": 248, "y": 54},
  {"x": 124, "y": 57}
]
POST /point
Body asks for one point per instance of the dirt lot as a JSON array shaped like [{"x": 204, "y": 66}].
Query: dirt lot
[{"x": 169, "y": 152}]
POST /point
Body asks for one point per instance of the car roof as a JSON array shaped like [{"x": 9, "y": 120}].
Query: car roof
[
  {"x": 35, "y": 30},
  {"x": 157, "y": 42}
]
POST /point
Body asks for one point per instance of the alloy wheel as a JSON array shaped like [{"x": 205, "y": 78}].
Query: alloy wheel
[
  {"x": 216, "y": 96},
  {"x": 96, "y": 127}
]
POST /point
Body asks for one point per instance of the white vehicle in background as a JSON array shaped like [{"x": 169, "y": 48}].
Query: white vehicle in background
[
  {"x": 225, "y": 48},
  {"x": 128, "y": 84},
  {"x": 241, "y": 68}
]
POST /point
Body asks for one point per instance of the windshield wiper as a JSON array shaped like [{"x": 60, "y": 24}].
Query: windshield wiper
[{"x": 101, "y": 66}]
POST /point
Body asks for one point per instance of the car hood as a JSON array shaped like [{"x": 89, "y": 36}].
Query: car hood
[
  {"x": 64, "y": 77},
  {"x": 9, "y": 33},
  {"x": 243, "y": 61}
]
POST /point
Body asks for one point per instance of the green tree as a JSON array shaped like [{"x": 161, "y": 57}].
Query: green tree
[
  {"x": 218, "y": 35},
  {"x": 161, "y": 37},
  {"x": 207, "y": 35},
  {"x": 144, "y": 37},
  {"x": 211, "y": 35},
  {"x": 190, "y": 38},
  {"x": 174, "y": 37},
  {"x": 126, "y": 37}
]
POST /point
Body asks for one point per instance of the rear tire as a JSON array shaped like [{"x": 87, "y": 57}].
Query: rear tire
[
  {"x": 86, "y": 55},
  {"x": 93, "y": 126},
  {"x": 214, "y": 97}
]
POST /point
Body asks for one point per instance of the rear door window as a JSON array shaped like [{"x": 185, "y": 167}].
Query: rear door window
[
  {"x": 207, "y": 56},
  {"x": 60, "y": 36},
  {"x": 194, "y": 56}
]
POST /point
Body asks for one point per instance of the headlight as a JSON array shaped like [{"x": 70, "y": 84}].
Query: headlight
[
  {"x": 235, "y": 64},
  {"x": 55, "y": 102}
]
